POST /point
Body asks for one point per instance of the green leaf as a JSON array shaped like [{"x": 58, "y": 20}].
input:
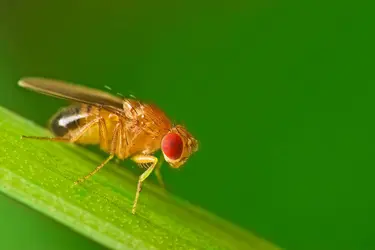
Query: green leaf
[{"x": 40, "y": 174}]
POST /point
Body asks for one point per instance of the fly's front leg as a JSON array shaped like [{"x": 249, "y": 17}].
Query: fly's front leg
[{"x": 143, "y": 159}]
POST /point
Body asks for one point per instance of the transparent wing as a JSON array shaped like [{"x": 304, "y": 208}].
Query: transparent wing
[{"x": 72, "y": 92}]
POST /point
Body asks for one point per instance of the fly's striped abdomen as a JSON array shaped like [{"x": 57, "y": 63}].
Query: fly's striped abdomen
[
  {"x": 69, "y": 119},
  {"x": 69, "y": 122}
]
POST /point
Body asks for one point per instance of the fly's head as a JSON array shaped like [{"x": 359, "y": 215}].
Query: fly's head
[{"x": 178, "y": 145}]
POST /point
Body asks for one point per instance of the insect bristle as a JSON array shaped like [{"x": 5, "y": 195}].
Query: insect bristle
[
  {"x": 118, "y": 93},
  {"x": 144, "y": 165}
]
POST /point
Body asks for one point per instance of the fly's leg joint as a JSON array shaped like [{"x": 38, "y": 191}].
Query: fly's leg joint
[{"x": 143, "y": 159}]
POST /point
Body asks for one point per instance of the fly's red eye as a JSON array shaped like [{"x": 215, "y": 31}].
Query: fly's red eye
[{"x": 172, "y": 146}]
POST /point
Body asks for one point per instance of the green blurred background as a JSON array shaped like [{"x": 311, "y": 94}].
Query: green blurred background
[{"x": 279, "y": 93}]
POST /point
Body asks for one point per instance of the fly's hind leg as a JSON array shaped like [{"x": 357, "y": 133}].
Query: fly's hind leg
[
  {"x": 71, "y": 139},
  {"x": 143, "y": 159},
  {"x": 115, "y": 144}
]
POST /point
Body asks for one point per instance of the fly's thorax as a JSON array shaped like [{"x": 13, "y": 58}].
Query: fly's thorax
[
  {"x": 147, "y": 117},
  {"x": 145, "y": 126}
]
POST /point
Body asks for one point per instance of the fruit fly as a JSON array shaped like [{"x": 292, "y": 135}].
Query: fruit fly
[{"x": 125, "y": 128}]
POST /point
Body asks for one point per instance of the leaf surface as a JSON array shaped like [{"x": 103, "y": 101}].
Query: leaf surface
[{"x": 40, "y": 174}]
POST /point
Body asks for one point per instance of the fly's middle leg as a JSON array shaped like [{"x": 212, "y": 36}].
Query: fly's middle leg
[{"x": 115, "y": 143}]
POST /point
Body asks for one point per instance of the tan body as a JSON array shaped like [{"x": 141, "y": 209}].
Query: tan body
[
  {"x": 126, "y": 128},
  {"x": 142, "y": 129}
]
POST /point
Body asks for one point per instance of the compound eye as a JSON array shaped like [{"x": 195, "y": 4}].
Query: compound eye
[{"x": 172, "y": 146}]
